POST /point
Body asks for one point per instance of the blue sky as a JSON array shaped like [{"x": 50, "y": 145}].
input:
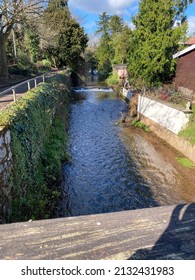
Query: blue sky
[{"x": 87, "y": 12}]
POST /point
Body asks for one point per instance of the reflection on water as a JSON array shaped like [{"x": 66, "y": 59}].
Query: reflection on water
[{"x": 112, "y": 169}]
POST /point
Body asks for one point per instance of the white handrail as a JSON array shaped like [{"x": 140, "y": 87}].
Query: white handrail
[{"x": 13, "y": 89}]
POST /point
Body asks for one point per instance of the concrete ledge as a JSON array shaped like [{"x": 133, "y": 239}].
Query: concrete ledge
[{"x": 154, "y": 233}]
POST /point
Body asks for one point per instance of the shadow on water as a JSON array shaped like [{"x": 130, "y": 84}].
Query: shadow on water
[{"x": 177, "y": 241}]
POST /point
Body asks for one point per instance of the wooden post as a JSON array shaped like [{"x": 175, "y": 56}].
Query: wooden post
[
  {"x": 14, "y": 94},
  {"x": 43, "y": 79},
  {"x": 35, "y": 82}
]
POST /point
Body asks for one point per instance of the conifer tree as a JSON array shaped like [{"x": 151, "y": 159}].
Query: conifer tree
[
  {"x": 68, "y": 39},
  {"x": 156, "y": 39},
  {"x": 104, "y": 51}
]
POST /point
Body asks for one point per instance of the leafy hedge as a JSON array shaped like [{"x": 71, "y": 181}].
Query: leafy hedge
[{"x": 38, "y": 131}]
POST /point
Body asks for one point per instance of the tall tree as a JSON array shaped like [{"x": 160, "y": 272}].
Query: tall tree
[
  {"x": 103, "y": 25},
  {"x": 114, "y": 43},
  {"x": 121, "y": 36},
  {"x": 121, "y": 44},
  {"x": 104, "y": 49},
  {"x": 12, "y": 12},
  {"x": 115, "y": 24},
  {"x": 68, "y": 39},
  {"x": 156, "y": 38}
]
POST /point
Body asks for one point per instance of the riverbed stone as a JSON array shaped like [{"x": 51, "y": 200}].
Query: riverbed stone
[
  {"x": 3, "y": 153},
  {"x": 9, "y": 155},
  {"x": 8, "y": 137},
  {"x": 1, "y": 141},
  {"x": 1, "y": 168}
]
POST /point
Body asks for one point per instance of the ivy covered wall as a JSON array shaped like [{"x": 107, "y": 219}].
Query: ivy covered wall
[{"x": 37, "y": 124}]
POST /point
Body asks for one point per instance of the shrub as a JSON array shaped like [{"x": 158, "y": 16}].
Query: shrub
[
  {"x": 44, "y": 65},
  {"x": 112, "y": 79}
]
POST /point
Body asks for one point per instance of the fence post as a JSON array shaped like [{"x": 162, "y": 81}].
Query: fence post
[
  {"x": 14, "y": 94},
  {"x": 28, "y": 85},
  {"x": 43, "y": 78},
  {"x": 35, "y": 82}
]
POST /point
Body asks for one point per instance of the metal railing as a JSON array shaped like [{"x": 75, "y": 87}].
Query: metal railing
[{"x": 28, "y": 82}]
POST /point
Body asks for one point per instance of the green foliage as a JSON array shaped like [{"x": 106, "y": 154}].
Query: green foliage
[
  {"x": 141, "y": 125},
  {"x": 24, "y": 65},
  {"x": 185, "y": 162},
  {"x": 43, "y": 65},
  {"x": 116, "y": 24},
  {"x": 68, "y": 39},
  {"x": 103, "y": 24},
  {"x": 37, "y": 123},
  {"x": 188, "y": 133},
  {"x": 114, "y": 45},
  {"x": 33, "y": 41},
  {"x": 121, "y": 44},
  {"x": 112, "y": 79},
  {"x": 90, "y": 60},
  {"x": 155, "y": 40}
]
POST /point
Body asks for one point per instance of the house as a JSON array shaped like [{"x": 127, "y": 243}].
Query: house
[
  {"x": 190, "y": 41},
  {"x": 185, "y": 71}
]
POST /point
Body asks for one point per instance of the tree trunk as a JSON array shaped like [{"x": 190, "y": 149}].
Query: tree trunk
[{"x": 3, "y": 59}]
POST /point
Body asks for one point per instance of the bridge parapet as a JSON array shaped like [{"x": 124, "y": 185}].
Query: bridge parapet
[{"x": 155, "y": 233}]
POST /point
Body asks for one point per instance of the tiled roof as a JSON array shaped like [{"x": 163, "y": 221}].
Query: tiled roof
[{"x": 191, "y": 41}]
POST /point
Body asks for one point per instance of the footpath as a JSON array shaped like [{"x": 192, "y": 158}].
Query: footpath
[{"x": 6, "y": 93}]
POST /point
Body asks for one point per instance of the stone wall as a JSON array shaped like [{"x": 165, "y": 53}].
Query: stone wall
[{"x": 5, "y": 170}]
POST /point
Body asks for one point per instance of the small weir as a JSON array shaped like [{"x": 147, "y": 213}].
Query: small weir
[{"x": 114, "y": 167}]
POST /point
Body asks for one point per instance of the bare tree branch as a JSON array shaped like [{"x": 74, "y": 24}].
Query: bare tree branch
[{"x": 18, "y": 11}]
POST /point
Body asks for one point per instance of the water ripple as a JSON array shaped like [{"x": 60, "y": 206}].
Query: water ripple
[{"x": 112, "y": 170}]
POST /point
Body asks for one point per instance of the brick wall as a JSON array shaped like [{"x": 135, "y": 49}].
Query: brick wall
[{"x": 185, "y": 73}]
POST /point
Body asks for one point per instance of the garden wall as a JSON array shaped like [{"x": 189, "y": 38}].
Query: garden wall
[{"x": 167, "y": 117}]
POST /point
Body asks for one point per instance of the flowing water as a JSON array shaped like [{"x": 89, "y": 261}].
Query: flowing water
[{"x": 112, "y": 167}]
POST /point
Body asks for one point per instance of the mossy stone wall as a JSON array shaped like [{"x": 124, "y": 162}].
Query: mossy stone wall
[{"x": 32, "y": 145}]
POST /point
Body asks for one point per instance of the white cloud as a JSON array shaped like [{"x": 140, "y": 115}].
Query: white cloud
[
  {"x": 118, "y": 4},
  {"x": 99, "y": 6},
  {"x": 191, "y": 24}
]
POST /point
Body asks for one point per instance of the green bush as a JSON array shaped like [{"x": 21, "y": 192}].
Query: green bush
[
  {"x": 188, "y": 133},
  {"x": 112, "y": 79},
  {"x": 24, "y": 64},
  {"x": 141, "y": 125},
  {"x": 44, "y": 65}
]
